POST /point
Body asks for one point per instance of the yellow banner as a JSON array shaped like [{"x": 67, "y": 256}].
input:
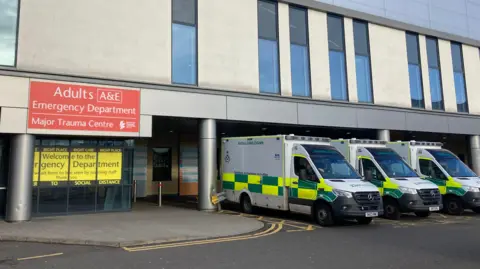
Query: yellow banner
[
  {"x": 54, "y": 164},
  {"x": 109, "y": 166},
  {"x": 80, "y": 166},
  {"x": 83, "y": 164}
]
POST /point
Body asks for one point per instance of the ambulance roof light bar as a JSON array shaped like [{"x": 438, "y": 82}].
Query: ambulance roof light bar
[
  {"x": 307, "y": 138},
  {"x": 424, "y": 143},
  {"x": 367, "y": 141}
]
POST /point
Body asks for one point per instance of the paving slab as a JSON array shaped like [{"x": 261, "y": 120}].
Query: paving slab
[{"x": 143, "y": 225}]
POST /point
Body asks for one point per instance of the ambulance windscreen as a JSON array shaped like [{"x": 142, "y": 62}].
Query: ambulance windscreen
[
  {"x": 392, "y": 164},
  {"x": 330, "y": 163},
  {"x": 451, "y": 163}
]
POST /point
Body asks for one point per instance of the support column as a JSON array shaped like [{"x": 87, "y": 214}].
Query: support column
[
  {"x": 383, "y": 135},
  {"x": 475, "y": 153},
  {"x": 19, "y": 192},
  {"x": 207, "y": 165}
]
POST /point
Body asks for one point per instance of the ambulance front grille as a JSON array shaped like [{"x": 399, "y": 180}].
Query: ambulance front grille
[
  {"x": 430, "y": 196},
  {"x": 367, "y": 197}
]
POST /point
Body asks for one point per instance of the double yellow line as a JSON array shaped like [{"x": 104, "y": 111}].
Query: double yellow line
[{"x": 273, "y": 229}]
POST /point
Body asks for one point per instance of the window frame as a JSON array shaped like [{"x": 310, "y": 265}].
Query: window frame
[
  {"x": 462, "y": 59},
  {"x": 277, "y": 40},
  {"x": 420, "y": 67},
  {"x": 344, "y": 47},
  {"x": 17, "y": 32},
  {"x": 307, "y": 46},
  {"x": 369, "y": 56},
  {"x": 172, "y": 22},
  {"x": 439, "y": 68}
]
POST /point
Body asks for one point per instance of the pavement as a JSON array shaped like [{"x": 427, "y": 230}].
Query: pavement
[
  {"x": 438, "y": 242},
  {"x": 145, "y": 224}
]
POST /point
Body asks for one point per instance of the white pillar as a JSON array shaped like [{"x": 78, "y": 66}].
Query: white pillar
[
  {"x": 20, "y": 184},
  {"x": 207, "y": 164},
  {"x": 475, "y": 153},
  {"x": 383, "y": 135}
]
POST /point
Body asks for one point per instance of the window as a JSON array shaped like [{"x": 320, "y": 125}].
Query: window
[
  {"x": 415, "y": 71},
  {"x": 430, "y": 169},
  {"x": 304, "y": 170},
  {"x": 184, "y": 42},
  {"x": 8, "y": 31},
  {"x": 268, "y": 47},
  {"x": 459, "y": 78},
  {"x": 336, "y": 47},
  {"x": 436, "y": 89},
  {"x": 370, "y": 171},
  {"x": 362, "y": 62},
  {"x": 299, "y": 54}
]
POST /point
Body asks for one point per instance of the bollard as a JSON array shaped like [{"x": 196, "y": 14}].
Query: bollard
[
  {"x": 159, "y": 194},
  {"x": 134, "y": 191}
]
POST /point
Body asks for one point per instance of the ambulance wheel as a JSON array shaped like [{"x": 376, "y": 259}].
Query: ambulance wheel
[
  {"x": 422, "y": 214},
  {"x": 476, "y": 209},
  {"x": 246, "y": 204},
  {"x": 453, "y": 205},
  {"x": 323, "y": 214},
  {"x": 391, "y": 209},
  {"x": 364, "y": 221}
]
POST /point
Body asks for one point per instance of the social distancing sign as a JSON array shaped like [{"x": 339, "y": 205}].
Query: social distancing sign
[{"x": 62, "y": 166}]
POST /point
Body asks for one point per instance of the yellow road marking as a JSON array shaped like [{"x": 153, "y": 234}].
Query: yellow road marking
[
  {"x": 310, "y": 228},
  {"x": 40, "y": 256},
  {"x": 292, "y": 231},
  {"x": 274, "y": 228},
  {"x": 260, "y": 218}
]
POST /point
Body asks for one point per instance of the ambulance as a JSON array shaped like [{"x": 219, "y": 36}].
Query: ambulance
[
  {"x": 402, "y": 189},
  {"x": 459, "y": 186},
  {"x": 296, "y": 173}
]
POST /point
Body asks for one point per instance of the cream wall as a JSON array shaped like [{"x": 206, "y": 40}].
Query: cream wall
[
  {"x": 422, "y": 42},
  {"x": 284, "y": 49},
  {"x": 118, "y": 39},
  {"x": 390, "y": 78},
  {"x": 471, "y": 58},
  {"x": 350, "y": 60},
  {"x": 446, "y": 66},
  {"x": 14, "y": 91},
  {"x": 228, "y": 45},
  {"x": 319, "y": 58}
]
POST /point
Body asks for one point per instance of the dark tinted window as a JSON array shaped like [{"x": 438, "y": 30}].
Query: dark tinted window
[
  {"x": 298, "y": 26},
  {"x": 360, "y": 30},
  {"x": 184, "y": 11},
  {"x": 267, "y": 20},
  {"x": 457, "y": 57},
  {"x": 412, "y": 48},
  {"x": 335, "y": 32},
  {"x": 432, "y": 52}
]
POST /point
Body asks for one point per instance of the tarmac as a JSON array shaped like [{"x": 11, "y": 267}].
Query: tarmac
[{"x": 145, "y": 224}]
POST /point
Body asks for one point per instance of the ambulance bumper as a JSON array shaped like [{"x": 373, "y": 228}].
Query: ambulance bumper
[
  {"x": 414, "y": 203},
  {"x": 349, "y": 208},
  {"x": 472, "y": 199}
]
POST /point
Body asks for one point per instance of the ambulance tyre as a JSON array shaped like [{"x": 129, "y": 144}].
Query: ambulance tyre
[
  {"x": 246, "y": 204},
  {"x": 391, "y": 209},
  {"x": 364, "y": 220},
  {"x": 453, "y": 205},
  {"x": 323, "y": 215}
]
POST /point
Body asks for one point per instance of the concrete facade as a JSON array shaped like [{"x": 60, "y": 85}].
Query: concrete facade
[{"x": 128, "y": 45}]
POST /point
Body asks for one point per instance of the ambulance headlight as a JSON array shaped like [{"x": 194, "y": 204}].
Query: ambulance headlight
[
  {"x": 408, "y": 190},
  {"x": 472, "y": 189},
  {"x": 342, "y": 193}
]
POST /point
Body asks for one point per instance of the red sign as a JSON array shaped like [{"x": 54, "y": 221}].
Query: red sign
[{"x": 60, "y": 106}]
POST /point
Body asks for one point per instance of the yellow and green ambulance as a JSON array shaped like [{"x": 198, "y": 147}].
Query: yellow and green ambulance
[
  {"x": 296, "y": 173},
  {"x": 458, "y": 184},
  {"x": 402, "y": 189}
]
